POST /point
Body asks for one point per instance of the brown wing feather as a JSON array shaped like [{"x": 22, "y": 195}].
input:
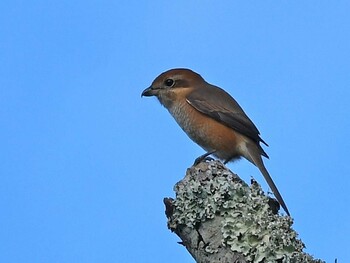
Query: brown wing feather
[{"x": 219, "y": 105}]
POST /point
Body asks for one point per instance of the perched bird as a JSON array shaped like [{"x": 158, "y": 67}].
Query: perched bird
[{"x": 212, "y": 119}]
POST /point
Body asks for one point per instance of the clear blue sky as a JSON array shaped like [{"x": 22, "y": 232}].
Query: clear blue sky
[{"x": 85, "y": 162}]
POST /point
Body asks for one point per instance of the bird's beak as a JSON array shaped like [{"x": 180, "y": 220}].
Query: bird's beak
[{"x": 150, "y": 91}]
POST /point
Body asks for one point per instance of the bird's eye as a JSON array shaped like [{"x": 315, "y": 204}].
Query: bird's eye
[{"x": 169, "y": 82}]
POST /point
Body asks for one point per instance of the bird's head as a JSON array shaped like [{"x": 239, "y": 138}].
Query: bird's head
[{"x": 171, "y": 83}]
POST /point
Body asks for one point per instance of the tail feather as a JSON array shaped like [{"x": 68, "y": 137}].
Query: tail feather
[{"x": 255, "y": 157}]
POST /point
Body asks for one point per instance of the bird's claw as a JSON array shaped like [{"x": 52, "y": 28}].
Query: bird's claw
[
  {"x": 201, "y": 159},
  {"x": 204, "y": 157}
]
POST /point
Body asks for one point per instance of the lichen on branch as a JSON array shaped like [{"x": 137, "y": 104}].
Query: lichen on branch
[{"x": 217, "y": 215}]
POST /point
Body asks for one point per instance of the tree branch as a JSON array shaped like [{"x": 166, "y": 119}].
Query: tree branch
[{"x": 219, "y": 218}]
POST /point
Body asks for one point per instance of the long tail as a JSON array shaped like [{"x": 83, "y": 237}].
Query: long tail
[{"x": 255, "y": 158}]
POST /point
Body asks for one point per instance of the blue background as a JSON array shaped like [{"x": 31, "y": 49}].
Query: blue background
[{"x": 85, "y": 162}]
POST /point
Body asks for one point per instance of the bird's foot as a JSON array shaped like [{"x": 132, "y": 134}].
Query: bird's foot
[
  {"x": 204, "y": 157},
  {"x": 200, "y": 159}
]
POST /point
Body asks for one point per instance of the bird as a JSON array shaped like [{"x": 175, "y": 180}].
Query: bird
[{"x": 212, "y": 118}]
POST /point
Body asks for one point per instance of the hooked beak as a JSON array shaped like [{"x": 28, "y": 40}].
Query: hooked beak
[{"x": 150, "y": 91}]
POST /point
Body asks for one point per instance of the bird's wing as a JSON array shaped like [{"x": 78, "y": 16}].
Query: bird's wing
[{"x": 219, "y": 105}]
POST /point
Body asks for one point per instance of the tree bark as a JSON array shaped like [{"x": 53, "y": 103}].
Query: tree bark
[{"x": 220, "y": 219}]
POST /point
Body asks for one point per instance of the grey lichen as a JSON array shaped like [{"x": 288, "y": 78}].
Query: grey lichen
[{"x": 247, "y": 224}]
